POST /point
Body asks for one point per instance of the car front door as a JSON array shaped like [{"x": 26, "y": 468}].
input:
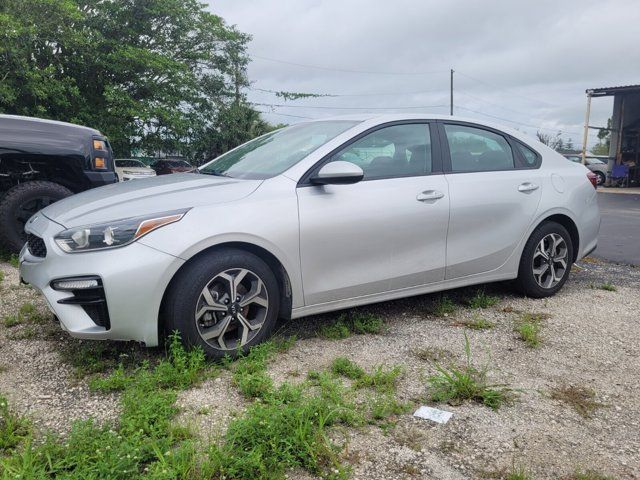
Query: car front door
[
  {"x": 386, "y": 232},
  {"x": 495, "y": 187}
]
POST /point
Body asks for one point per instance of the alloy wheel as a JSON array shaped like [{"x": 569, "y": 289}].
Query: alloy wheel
[
  {"x": 231, "y": 309},
  {"x": 550, "y": 260}
]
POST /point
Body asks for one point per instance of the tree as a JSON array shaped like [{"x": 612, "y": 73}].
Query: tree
[
  {"x": 604, "y": 140},
  {"x": 154, "y": 75},
  {"x": 554, "y": 142}
]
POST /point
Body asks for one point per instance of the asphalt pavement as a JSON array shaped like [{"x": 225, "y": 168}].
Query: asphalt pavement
[{"x": 619, "y": 239}]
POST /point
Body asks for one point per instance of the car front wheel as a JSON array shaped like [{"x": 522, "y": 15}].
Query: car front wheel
[
  {"x": 546, "y": 261},
  {"x": 224, "y": 301}
]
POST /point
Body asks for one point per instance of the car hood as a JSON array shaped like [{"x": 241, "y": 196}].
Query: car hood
[
  {"x": 147, "y": 196},
  {"x": 136, "y": 169}
]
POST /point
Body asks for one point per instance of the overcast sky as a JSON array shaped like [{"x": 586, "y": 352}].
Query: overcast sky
[{"x": 526, "y": 62}]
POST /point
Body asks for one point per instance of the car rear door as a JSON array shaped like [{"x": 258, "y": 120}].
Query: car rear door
[
  {"x": 386, "y": 232},
  {"x": 495, "y": 186}
]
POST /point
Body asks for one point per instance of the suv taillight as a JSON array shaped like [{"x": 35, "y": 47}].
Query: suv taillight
[{"x": 593, "y": 178}]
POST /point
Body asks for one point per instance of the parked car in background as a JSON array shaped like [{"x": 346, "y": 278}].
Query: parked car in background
[
  {"x": 165, "y": 167},
  {"x": 359, "y": 209},
  {"x": 41, "y": 162},
  {"x": 131, "y": 169},
  {"x": 597, "y": 165}
]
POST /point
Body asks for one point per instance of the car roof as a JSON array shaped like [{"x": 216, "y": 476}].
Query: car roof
[{"x": 378, "y": 118}]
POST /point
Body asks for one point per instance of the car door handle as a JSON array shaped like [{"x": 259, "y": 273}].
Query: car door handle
[
  {"x": 429, "y": 195},
  {"x": 527, "y": 187}
]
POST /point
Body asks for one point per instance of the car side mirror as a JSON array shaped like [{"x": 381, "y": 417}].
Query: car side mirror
[{"x": 338, "y": 173}]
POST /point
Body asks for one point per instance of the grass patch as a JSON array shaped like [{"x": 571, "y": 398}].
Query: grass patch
[
  {"x": 457, "y": 384},
  {"x": 353, "y": 324},
  {"x": 609, "y": 287},
  {"x": 10, "y": 258},
  {"x": 444, "y": 307},
  {"x": 528, "y": 328},
  {"x": 1, "y": 276},
  {"x": 380, "y": 378},
  {"x": 13, "y": 428},
  {"x": 583, "y": 400},
  {"x": 288, "y": 426},
  {"x": 11, "y": 321},
  {"x": 91, "y": 357},
  {"x": 143, "y": 443},
  {"x": 482, "y": 300},
  {"x": 476, "y": 323}
]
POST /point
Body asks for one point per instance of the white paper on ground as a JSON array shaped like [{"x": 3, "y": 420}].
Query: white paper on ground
[{"x": 438, "y": 416}]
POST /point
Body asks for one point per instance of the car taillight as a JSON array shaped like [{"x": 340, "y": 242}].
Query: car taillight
[{"x": 593, "y": 178}]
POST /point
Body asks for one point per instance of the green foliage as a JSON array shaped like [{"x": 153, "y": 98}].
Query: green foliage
[
  {"x": 590, "y": 475},
  {"x": 478, "y": 323},
  {"x": 354, "y": 324},
  {"x": 11, "y": 320},
  {"x": 456, "y": 384},
  {"x": 444, "y": 307},
  {"x": 482, "y": 300},
  {"x": 1, "y": 276},
  {"x": 608, "y": 286},
  {"x": 381, "y": 378},
  {"x": 13, "y": 429},
  {"x": 143, "y": 444},
  {"x": 155, "y": 75},
  {"x": 528, "y": 328}
]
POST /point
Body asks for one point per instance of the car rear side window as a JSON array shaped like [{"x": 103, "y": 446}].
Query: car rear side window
[
  {"x": 395, "y": 151},
  {"x": 478, "y": 150},
  {"x": 531, "y": 158}
]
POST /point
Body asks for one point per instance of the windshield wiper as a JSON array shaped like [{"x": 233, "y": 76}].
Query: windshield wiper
[{"x": 216, "y": 174}]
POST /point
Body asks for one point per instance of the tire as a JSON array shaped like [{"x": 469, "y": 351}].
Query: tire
[
  {"x": 20, "y": 203},
  {"x": 221, "y": 330},
  {"x": 601, "y": 177},
  {"x": 530, "y": 281}
]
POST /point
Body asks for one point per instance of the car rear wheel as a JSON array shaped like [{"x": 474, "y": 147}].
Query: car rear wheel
[
  {"x": 601, "y": 177},
  {"x": 224, "y": 301},
  {"x": 19, "y": 204},
  {"x": 546, "y": 261}
]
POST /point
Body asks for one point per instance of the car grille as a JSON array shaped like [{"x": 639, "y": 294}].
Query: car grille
[{"x": 36, "y": 246}]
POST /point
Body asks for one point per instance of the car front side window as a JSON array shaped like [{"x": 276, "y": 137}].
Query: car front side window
[
  {"x": 395, "y": 151},
  {"x": 477, "y": 150}
]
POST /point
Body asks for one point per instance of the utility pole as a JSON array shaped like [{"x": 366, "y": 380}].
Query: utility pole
[
  {"x": 585, "y": 136},
  {"x": 451, "y": 94}
]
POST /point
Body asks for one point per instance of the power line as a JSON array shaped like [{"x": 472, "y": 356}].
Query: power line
[
  {"x": 328, "y": 107},
  {"x": 266, "y": 90},
  {"x": 286, "y": 115},
  {"x": 504, "y": 89},
  {"x": 520, "y": 123},
  {"x": 345, "y": 70}
]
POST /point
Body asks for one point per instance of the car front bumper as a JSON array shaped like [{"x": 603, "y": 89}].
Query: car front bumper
[{"x": 134, "y": 279}]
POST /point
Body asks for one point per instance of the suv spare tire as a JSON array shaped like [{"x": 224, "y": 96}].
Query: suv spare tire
[{"x": 19, "y": 204}]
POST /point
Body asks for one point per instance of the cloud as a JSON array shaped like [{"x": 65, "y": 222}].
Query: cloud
[{"x": 522, "y": 63}]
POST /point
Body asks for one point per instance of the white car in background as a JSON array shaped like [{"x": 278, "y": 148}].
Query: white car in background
[
  {"x": 315, "y": 217},
  {"x": 597, "y": 164},
  {"x": 131, "y": 169}
]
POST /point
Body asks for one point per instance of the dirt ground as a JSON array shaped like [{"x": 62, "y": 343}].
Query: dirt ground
[{"x": 591, "y": 340}]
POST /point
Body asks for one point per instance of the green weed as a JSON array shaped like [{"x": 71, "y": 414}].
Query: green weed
[
  {"x": 582, "y": 399},
  {"x": 11, "y": 321},
  {"x": 482, "y": 300},
  {"x": 380, "y": 378},
  {"x": 457, "y": 384},
  {"x": 354, "y": 324},
  {"x": 609, "y": 287},
  {"x": 13, "y": 429},
  {"x": 444, "y": 307}
]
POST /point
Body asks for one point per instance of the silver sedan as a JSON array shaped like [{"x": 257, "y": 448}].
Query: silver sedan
[{"x": 318, "y": 216}]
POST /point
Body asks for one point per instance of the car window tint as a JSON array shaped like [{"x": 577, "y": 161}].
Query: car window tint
[
  {"x": 530, "y": 157},
  {"x": 477, "y": 150},
  {"x": 396, "y": 151}
]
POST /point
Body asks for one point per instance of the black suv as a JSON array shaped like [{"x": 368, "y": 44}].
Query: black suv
[{"x": 42, "y": 161}]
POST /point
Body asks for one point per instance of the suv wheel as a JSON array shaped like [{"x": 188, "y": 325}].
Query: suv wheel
[
  {"x": 19, "y": 204},
  {"x": 601, "y": 177},
  {"x": 546, "y": 261},
  {"x": 225, "y": 301}
]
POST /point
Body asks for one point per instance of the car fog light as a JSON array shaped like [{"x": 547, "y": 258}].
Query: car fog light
[{"x": 75, "y": 284}]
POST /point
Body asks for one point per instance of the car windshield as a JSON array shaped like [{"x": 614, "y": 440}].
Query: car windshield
[
  {"x": 178, "y": 163},
  {"x": 129, "y": 163},
  {"x": 594, "y": 161},
  {"x": 275, "y": 152}
]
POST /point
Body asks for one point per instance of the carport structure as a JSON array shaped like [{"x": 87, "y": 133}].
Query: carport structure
[{"x": 624, "y": 148}]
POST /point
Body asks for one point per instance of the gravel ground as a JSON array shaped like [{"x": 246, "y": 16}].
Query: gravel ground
[{"x": 591, "y": 339}]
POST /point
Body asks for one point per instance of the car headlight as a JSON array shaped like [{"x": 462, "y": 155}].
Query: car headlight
[{"x": 114, "y": 234}]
